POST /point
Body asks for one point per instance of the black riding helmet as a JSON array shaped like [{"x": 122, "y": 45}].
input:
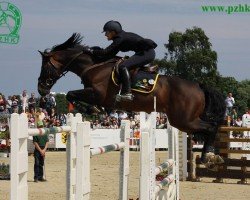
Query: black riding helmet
[{"x": 112, "y": 26}]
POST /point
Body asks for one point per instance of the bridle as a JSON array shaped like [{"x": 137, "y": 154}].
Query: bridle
[{"x": 55, "y": 66}]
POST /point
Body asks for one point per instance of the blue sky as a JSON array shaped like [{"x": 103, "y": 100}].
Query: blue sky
[{"x": 46, "y": 23}]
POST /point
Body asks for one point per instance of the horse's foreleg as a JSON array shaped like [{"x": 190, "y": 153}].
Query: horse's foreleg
[{"x": 86, "y": 95}]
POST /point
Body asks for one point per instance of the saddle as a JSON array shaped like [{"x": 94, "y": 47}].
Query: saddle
[{"x": 143, "y": 79}]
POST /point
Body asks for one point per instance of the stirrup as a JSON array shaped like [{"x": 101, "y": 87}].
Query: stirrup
[{"x": 124, "y": 97}]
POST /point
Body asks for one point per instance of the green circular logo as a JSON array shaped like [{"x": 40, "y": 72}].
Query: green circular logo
[{"x": 10, "y": 23}]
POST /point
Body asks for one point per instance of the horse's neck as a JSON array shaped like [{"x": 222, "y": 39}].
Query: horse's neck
[{"x": 78, "y": 63}]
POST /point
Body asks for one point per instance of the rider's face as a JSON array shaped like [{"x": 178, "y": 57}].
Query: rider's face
[{"x": 110, "y": 34}]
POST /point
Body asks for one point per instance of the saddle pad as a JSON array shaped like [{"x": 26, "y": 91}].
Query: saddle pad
[{"x": 140, "y": 82}]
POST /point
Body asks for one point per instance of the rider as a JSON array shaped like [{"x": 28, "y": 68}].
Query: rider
[{"x": 126, "y": 41}]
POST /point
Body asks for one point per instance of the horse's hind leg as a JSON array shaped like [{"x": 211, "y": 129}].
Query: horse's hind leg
[{"x": 208, "y": 130}]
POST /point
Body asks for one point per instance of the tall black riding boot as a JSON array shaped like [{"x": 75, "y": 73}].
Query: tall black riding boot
[{"x": 126, "y": 85}]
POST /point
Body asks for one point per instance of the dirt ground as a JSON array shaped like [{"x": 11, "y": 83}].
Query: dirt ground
[{"x": 105, "y": 182}]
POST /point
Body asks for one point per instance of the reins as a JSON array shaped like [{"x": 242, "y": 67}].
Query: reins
[
  {"x": 95, "y": 65},
  {"x": 64, "y": 70}
]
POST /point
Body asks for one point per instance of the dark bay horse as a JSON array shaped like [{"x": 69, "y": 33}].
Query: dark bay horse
[{"x": 190, "y": 107}]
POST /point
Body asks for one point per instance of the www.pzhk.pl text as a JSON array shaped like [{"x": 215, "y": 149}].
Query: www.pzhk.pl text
[{"x": 241, "y": 8}]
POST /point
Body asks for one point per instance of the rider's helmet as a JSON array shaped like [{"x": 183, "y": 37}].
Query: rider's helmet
[{"x": 112, "y": 26}]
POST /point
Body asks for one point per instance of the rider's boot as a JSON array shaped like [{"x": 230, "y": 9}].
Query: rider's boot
[{"x": 126, "y": 94}]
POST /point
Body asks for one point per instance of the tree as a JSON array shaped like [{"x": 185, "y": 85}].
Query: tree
[
  {"x": 243, "y": 96},
  {"x": 190, "y": 56},
  {"x": 61, "y": 104}
]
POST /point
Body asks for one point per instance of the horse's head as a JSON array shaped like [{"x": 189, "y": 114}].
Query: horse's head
[
  {"x": 56, "y": 63},
  {"x": 51, "y": 71}
]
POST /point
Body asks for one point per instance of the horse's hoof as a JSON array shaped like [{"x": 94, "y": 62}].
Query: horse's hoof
[{"x": 212, "y": 161}]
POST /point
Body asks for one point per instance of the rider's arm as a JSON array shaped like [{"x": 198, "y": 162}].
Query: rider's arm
[{"x": 111, "y": 50}]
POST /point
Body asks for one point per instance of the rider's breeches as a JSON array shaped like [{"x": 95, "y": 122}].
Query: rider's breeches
[{"x": 138, "y": 59}]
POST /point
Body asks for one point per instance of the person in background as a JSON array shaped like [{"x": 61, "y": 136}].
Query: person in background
[
  {"x": 246, "y": 118},
  {"x": 41, "y": 144},
  {"x": 32, "y": 102},
  {"x": 238, "y": 122},
  {"x": 2, "y": 104},
  {"x": 42, "y": 103},
  {"x": 114, "y": 123},
  {"x": 113, "y": 114},
  {"x": 40, "y": 116},
  {"x": 234, "y": 116},
  {"x": 123, "y": 115},
  {"x": 229, "y": 103},
  {"x": 8, "y": 105},
  {"x": 24, "y": 101},
  {"x": 14, "y": 104},
  {"x": 50, "y": 103}
]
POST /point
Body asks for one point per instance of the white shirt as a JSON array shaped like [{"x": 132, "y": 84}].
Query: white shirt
[
  {"x": 24, "y": 101},
  {"x": 238, "y": 123},
  {"x": 123, "y": 115},
  {"x": 246, "y": 120},
  {"x": 229, "y": 102}
]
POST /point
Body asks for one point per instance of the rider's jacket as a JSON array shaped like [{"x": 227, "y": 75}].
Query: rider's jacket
[{"x": 126, "y": 41}]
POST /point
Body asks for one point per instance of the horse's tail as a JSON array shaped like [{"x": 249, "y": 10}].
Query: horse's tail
[{"x": 215, "y": 106}]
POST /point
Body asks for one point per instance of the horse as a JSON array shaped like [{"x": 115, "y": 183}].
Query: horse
[{"x": 190, "y": 107}]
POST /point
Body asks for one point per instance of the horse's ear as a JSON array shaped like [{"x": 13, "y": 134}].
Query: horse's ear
[{"x": 42, "y": 54}]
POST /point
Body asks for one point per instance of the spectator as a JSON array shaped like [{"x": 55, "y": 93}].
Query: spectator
[
  {"x": 163, "y": 123},
  {"x": 2, "y": 104},
  {"x": 32, "y": 101},
  {"x": 246, "y": 118},
  {"x": 42, "y": 103},
  {"x": 14, "y": 104},
  {"x": 132, "y": 123},
  {"x": 234, "y": 116},
  {"x": 114, "y": 123},
  {"x": 62, "y": 118},
  {"x": 41, "y": 144},
  {"x": 96, "y": 124},
  {"x": 31, "y": 118},
  {"x": 229, "y": 103},
  {"x": 105, "y": 124},
  {"x": 50, "y": 103},
  {"x": 40, "y": 117},
  {"x": 113, "y": 114},
  {"x": 123, "y": 115},
  {"x": 9, "y": 104},
  {"x": 24, "y": 101},
  {"x": 238, "y": 122}
]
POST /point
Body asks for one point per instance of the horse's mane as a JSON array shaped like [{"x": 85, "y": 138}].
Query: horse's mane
[{"x": 74, "y": 41}]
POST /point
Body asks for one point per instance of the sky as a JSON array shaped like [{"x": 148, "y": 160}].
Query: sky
[{"x": 47, "y": 23}]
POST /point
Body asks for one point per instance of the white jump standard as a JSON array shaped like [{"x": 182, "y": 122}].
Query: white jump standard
[{"x": 149, "y": 189}]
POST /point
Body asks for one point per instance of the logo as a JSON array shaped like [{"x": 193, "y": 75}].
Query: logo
[
  {"x": 10, "y": 23},
  {"x": 64, "y": 137}
]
